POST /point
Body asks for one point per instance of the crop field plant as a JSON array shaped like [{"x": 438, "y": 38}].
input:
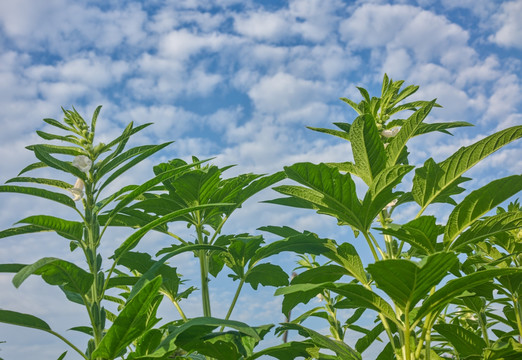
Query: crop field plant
[{"x": 437, "y": 289}]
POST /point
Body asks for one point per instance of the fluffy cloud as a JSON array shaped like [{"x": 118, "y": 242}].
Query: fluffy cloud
[{"x": 509, "y": 33}]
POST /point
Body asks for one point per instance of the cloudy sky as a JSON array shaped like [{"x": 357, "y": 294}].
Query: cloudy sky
[{"x": 239, "y": 80}]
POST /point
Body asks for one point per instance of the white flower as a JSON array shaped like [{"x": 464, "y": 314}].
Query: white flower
[
  {"x": 390, "y": 204},
  {"x": 77, "y": 190},
  {"x": 390, "y": 132},
  {"x": 83, "y": 163}
]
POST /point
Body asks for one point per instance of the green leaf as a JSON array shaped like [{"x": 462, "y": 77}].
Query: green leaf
[
  {"x": 466, "y": 342},
  {"x": 289, "y": 351},
  {"x": 367, "y": 340},
  {"x": 432, "y": 181},
  {"x": 367, "y": 148},
  {"x": 266, "y": 275},
  {"x": 57, "y": 272},
  {"x": 342, "y": 134},
  {"x": 346, "y": 256},
  {"x": 133, "y": 240},
  {"x": 58, "y": 149},
  {"x": 381, "y": 193},
  {"x": 68, "y": 138},
  {"x": 436, "y": 302},
  {"x": 21, "y": 319},
  {"x": 342, "y": 350},
  {"x": 71, "y": 230},
  {"x": 196, "y": 329},
  {"x": 11, "y": 268},
  {"x": 440, "y": 127},
  {"x": 108, "y": 166},
  {"x": 43, "y": 155},
  {"x": 95, "y": 117},
  {"x": 27, "y": 229},
  {"x": 488, "y": 227},
  {"x": 52, "y": 182},
  {"x": 420, "y": 233},
  {"x": 143, "y": 155},
  {"x": 34, "y": 166},
  {"x": 328, "y": 191},
  {"x": 131, "y": 322},
  {"x": 46, "y": 194},
  {"x": 57, "y": 124},
  {"x": 306, "y": 243},
  {"x": 407, "y": 282},
  {"x": 480, "y": 202},
  {"x": 406, "y": 132}
]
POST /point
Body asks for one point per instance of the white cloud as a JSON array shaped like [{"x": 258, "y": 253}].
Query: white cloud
[
  {"x": 262, "y": 25},
  {"x": 427, "y": 35},
  {"x": 283, "y": 92},
  {"x": 507, "y": 20}
]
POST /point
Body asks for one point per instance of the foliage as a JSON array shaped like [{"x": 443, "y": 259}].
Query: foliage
[{"x": 436, "y": 288}]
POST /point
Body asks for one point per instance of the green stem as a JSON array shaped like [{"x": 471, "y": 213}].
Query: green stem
[
  {"x": 234, "y": 300},
  {"x": 203, "y": 267},
  {"x": 68, "y": 343},
  {"x": 407, "y": 352},
  {"x": 518, "y": 309},
  {"x": 371, "y": 245},
  {"x": 176, "y": 305}
]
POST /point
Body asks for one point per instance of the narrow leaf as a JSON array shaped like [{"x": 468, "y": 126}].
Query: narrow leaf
[
  {"x": 46, "y": 194},
  {"x": 69, "y": 229}
]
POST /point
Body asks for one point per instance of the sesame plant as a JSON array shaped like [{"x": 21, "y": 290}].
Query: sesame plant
[
  {"x": 121, "y": 304},
  {"x": 426, "y": 274}
]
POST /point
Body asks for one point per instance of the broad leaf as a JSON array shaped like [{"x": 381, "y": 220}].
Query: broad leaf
[
  {"x": 407, "y": 282},
  {"x": 435, "y": 302},
  {"x": 480, "y": 202},
  {"x": 25, "y": 320},
  {"x": 57, "y": 272},
  {"x": 430, "y": 182},
  {"x": 69, "y": 229},
  {"x": 289, "y": 351},
  {"x": 131, "y": 322},
  {"x": 466, "y": 342},
  {"x": 407, "y": 131},
  {"x": 367, "y": 148},
  {"x": 420, "y": 233},
  {"x": 328, "y": 191},
  {"x": 488, "y": 227},
  {"x": 342, "y": 350}
]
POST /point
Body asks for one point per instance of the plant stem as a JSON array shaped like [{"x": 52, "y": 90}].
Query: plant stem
[
  {"x": 203, "y": 266},
  {"x": 68, "y": 343},
  {"x": 517, "y": 309},
  {"x": 372, "y": 248},
  {"x": 234, "y": 300}
]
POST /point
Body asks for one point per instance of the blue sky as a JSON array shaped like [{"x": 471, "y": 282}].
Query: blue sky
[{"x": 240, "y": 80}]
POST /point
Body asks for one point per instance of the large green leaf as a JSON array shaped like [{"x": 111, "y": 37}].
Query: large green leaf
[
  {"x": 407, "y": 282},
  {"x": 305, "y": 243},
  {"x": 480, "y": 202},
  {"x": 488, "y": 227},
  {"x": 346, "y": 256},
  {"x": 289, "y": 351},
  {"x": 440, "y": 298},
  {"x": 21, "y": 319},
  {"x": 367, "y": 148},
  {"x": 381, "y": 192},
  {"x": 430, "y": 182},
  {"x": 266, "y": 275},
  {"x": 133, "y": 240},
  {"x": 466, "y": 342},
  {"x": 57, "y": 272},
  {"x": 131, "y": 322},
  {"x": 420, "y": 233},
  {"x": 196, "y": 329},
  {"x": 327, "y": 190},
  {"x": 342, "y": 350},
  {"x": 407, "y": 131},
  {"x": 46, "y": 194},
  {"x": 69, "y": 229},
  {"x": 37, "y": 165}
]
